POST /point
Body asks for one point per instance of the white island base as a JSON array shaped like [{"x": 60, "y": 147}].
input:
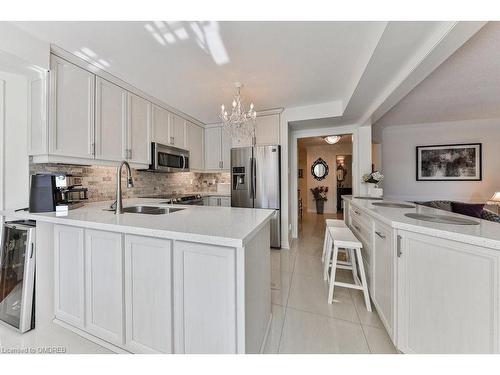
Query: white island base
[{"x": 140, "y": 294}]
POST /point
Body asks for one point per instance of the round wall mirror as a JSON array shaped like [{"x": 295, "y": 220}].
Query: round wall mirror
[{"x": 319, "y": 169}]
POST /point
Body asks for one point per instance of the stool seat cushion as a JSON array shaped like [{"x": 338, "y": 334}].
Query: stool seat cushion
[{"x": 335, "y": 223}]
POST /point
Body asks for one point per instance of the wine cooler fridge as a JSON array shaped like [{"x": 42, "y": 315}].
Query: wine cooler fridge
[{"x": 17, "y": 275}]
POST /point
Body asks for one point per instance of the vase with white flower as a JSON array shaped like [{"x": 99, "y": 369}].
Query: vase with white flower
[{"x": 374, "y": 179}]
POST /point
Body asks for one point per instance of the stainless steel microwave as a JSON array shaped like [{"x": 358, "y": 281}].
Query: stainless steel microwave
[{"x": 168, "y": 159}]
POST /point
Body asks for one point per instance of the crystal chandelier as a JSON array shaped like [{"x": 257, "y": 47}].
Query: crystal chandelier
[
  {"x": 332, "y": 139},
  {"x": 240, "y": 123}
]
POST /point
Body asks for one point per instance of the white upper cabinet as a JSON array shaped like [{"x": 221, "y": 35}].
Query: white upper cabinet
[
  {"x": 195, "y": 144},
  {"x": 71, "y": 110},
  {"x": 225, "y": 150},
  {"x": 160, "y": 119},
  {"x": 217, "y": 149},
  {"x": 177, "y": 134},
  {"x": 267, "y": 130},
  {"x": 111, "y": 121},
  {"x": 139, "y": 130}
]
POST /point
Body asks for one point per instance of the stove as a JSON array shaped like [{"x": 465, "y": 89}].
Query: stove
[{"x": 193, "y": 199}]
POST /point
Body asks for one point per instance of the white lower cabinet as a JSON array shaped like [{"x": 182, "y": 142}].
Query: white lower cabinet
[
  {"x": 104, "y": 285},
  {"x": 383, "y": 291},
  {"x": 69, "y": 292},
  {"x": 204, "y": 280},
  {"x": 448, "y": 296},
  {"x": 148, "y": 294}
]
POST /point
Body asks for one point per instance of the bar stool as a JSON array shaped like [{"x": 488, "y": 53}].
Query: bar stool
[
  {"x": 327, "y": 243},
  {"x": 344, "y": 238}
]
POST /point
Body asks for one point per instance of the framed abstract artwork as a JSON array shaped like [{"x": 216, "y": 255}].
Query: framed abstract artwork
[{"x": 457, "y": 162}]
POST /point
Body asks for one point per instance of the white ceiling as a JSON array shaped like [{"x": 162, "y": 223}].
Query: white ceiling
[
  {"x": 192, "y": 65},
  {"x": 466, "y": 86}
]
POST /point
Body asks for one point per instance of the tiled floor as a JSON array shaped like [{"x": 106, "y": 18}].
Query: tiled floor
[{"x": 303, "y": 321}]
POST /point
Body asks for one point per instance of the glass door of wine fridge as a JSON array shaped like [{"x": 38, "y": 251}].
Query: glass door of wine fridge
[{"x": 17, "y": 275}]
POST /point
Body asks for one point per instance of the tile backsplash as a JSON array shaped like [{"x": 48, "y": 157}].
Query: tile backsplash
[{"x": 101, "y": 181}]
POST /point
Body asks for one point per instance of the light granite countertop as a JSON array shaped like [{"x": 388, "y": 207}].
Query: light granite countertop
[
  {"x": 224, "y": 226},
  {"x": 485, "y": 234}
]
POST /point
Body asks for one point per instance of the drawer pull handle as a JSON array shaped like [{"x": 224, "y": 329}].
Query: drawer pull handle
[
  {"x": 356, "y": 212},
  {"x": 357, "y": 228},
  {"x": 380, "y": 235}
]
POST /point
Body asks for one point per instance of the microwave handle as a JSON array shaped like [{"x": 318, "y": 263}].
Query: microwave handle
[{"x": 183, "y": 162}]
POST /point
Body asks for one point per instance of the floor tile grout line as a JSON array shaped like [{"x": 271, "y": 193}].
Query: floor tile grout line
[
  {"x": 323, "y": 315},
  {"x": 286, "y": 303}
]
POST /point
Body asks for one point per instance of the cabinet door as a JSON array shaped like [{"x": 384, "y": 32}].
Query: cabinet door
[
  {"x": 204, "y": 298},
  {"x": 383, "y": 275},
  {"x": 177, "y": 131},
  {"x": 160, "y": 125},
  {"x": 225, "y": 201},
  {"x": 213, "y": 148},
  {"x": 241, "y": 142},
  {"x": 71, "y": 110},
  {"x": 111, "y": 121},
  {"x": 195, "y": 145},
  {"x": 139, "y": 130},
  {"x": 448, "y": 296},
  {"x": 104, "y": 285},
  {"x": 225, "y": 150},
  {"x": 69, "y": 275},
  {"x": 213, "y": 201},
  {"x": 148, "y": 294},
  {"x": 267, "y": 130}
]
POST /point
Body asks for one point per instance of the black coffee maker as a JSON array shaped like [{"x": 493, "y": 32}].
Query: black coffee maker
[
  {"x": 43, "y": 193},
  {"x": 51, "y": 191}
]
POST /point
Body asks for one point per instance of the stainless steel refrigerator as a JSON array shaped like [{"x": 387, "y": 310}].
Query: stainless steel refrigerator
[{"x": 255, "y": 182}]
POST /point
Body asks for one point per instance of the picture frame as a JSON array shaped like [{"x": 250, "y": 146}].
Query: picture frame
[{"x": 452, "y": 162}]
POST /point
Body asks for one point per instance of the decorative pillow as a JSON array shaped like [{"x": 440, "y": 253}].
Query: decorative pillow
[
  {"x": 469, "y": 209},
  {"x": 490, "y": 216}
]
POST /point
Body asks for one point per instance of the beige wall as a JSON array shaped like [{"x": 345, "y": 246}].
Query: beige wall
[{"x": 329, "y": 154}]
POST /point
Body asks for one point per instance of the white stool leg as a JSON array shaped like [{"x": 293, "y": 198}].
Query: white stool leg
[
  {"x": 363, "y": 280},
  {"x": 352, "y": 257},
  {"x": 328, "y": 256},
  {"x": 332, "y": 274},
  {"x": 327, "y": 236}
]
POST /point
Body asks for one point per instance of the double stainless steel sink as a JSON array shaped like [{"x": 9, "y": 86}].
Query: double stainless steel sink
[
  {"x": 150, "y": 210},
  {"x": 442, "y": 219},
  {"x": 393, "y": 205}
]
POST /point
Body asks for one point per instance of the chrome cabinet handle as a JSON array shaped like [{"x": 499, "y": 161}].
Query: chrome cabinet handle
[
  {"x": 357, "y": 228},
  {"x": 356, "y": 212},
  {"x": 399, "y": 252},
  {"x": 380, "y": 235}
]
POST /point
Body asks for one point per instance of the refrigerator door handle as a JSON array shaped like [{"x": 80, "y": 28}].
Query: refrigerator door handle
[{"x": 254, "y": 178}]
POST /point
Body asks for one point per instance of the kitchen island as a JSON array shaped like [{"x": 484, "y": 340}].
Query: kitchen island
[
  {"x": 195, "y": 279},
  {"x": 436, "y": 286}
]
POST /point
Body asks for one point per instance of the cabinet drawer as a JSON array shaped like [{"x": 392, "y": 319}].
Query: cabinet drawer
[
  {"x": 361, "y": 217},
  {"x": 363, "y": 234}
]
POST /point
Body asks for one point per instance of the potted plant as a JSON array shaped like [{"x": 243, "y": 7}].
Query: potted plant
[
  {"x": 374, "y": 178},
  {"x": 319, "y": 194}
]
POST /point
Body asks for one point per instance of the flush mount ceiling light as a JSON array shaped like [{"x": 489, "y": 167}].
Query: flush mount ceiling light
[
  {"x": 240, "y": 123},
  {"x": 332, "y": 139}
]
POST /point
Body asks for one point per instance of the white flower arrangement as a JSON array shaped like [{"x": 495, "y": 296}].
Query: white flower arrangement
[{"x": 373, "y": 178}]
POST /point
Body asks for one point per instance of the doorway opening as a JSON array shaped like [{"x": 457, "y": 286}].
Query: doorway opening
[{"x": 325, "y": 173}]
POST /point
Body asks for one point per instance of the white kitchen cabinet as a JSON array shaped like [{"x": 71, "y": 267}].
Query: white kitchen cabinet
[
  {"x": 160, "y": 124},
  {"x": 111, "y": 121},
  {"x": 69, "y": 296},
  {"x": 448, "y": 296},
  {"x": 383, "y": 290},
  {"x": 219, "y": 201},
  {"x": 177, "y": 131},
  {"x": 267, "y": 132},
  {"x": 148, "y": 294},
  {"x": 139, "y": 130},
  {"x": 204, "y": 280},
  {"x": 71, "y": 115},
  {"x": 104, "y": 286},
  {"x": 195, "y": 145},
  {"x": 217, "y": 149}
]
